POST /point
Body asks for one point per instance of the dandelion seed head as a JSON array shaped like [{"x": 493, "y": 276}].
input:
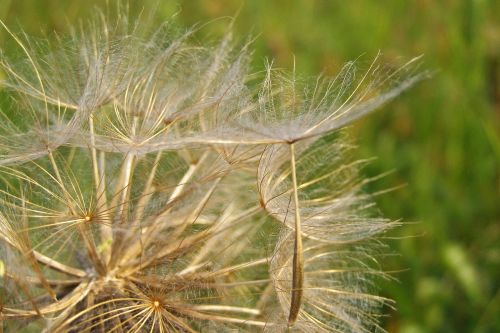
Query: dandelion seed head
[{"x": 146, "y": 186}]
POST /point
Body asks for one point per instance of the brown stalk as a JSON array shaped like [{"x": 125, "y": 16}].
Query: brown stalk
[
  {"x": 106, "y": 232},
  {"x": 54, "y": 264},
  {"x": 298, "y": 259}
]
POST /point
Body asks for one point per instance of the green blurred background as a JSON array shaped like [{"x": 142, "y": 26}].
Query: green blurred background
[{"x": 441, "y": 139}]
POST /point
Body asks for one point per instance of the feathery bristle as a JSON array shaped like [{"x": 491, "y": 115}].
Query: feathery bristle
[{"x": 146, "y": 187}]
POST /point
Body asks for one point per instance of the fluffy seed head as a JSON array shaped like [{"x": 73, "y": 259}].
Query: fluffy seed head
[{"x": 146, "y": 187}]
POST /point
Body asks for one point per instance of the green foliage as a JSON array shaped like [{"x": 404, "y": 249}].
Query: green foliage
[{"x": 442, "y": 140}]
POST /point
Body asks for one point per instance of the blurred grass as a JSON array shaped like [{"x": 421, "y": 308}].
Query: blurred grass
[{"x": 442, "y": 138}]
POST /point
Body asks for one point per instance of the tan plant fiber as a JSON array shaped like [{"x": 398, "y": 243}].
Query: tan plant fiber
[{"x": 152, "y": 184}]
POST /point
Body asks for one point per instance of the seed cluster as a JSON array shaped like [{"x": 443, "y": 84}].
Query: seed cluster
[{"x": 151, "y": 184}]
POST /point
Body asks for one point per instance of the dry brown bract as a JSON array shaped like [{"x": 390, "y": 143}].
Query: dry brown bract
[{"x": 146, "y": 188}]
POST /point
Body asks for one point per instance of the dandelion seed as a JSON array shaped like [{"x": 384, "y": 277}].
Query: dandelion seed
[{"x": 145, "y": 187}]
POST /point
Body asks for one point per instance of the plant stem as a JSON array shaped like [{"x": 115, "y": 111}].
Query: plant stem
[
  {"x": 106, "y": 232},
  {"x": 298, "y": 260}
]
